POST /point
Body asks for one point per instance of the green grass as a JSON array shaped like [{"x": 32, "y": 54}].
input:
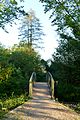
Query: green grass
[
  {"x": 2, "y": 113},
  {"x": 78, "y": 107},
  {"x": 11, "y": 103},
  {"x": 73, "y": 106}
]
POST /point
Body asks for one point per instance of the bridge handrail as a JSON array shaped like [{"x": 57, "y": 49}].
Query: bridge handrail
[
  {"x": 31, "y": 83},
  {"x": 50, "y": 81}
]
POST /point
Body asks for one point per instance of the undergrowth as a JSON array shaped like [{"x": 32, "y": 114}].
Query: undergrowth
[{"x": 11, "y": 103}]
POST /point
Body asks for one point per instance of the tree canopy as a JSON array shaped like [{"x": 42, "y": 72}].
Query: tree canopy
[
  {"x": 65, "y": 67},
  {"x": 31, "y": 29},
  {"x": 65, "y": 15},
  {"x": 9, "y": 11}
]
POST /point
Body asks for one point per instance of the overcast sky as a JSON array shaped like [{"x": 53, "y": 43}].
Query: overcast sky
[{"x": 50, "y": 39}]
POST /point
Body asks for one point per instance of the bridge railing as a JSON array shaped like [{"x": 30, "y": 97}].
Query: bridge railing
[
  {"x": 31, "y": 83},
  {"x": 50, "y": 81}
]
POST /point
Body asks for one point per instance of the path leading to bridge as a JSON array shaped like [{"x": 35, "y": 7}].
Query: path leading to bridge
[{"x": 41, "y": 107}]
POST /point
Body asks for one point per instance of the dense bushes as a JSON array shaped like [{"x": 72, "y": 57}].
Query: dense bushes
[
  {"x": 68, "y": 87},
  {"x": 13, "y": 102},
  {"x": 68, "y": 82},
  {"x": 16, "y": 67},
  {"x": 41, "y": 77},
  {"x": 68, "y": 92},
  {"x": 12, "y": 81}
]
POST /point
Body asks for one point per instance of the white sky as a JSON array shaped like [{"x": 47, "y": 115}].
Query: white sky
[{"x": 49, "y": 40}]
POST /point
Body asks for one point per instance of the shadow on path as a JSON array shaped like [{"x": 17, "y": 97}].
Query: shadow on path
[{"x": 41, "y": 107}]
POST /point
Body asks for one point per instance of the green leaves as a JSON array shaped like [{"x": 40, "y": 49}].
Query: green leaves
[
  {"x": 31, "y": 29},
  {"x": 16, "y": 67},
  {"x": 9, "y": 11},
  {"x": 65, "y": 14},
  {"x": 13, "y": 2}
]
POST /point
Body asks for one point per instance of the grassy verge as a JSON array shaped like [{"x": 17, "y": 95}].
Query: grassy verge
[
  {"x": 2, "y": 113},
  {"x": 74, "y": 106},
  {"x": 11, "y": 103},
  {"x": 78, "y": 107}
]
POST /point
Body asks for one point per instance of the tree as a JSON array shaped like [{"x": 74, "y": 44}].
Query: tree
[
  {"x": 65, "y": 65},
  {"x": 65, "y": 14},
  {"x": 25, "y": 58},
  {"x": 16, "y": 67},
  {"x": 31, "y": 29},
  {"x": 9, "y": 11}
]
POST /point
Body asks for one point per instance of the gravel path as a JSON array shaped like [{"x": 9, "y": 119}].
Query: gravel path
[{"x": 41, "y": 107}]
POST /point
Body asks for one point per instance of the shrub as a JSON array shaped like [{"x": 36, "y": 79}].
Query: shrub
[{"x": 68, "y": 92}]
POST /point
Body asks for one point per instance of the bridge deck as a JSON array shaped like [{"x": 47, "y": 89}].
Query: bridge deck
[
  {"x": 41, "y": 91},
  {"x": 41, "y": 107}
]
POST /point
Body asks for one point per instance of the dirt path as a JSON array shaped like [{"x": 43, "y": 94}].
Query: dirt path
[{"x": 41, "y": 107}]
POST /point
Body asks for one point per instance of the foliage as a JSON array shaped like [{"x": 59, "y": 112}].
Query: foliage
[
  {"x": 78, "y": 107},
  {"x": 31, "y": 29},
  {"x": 65, "y": 15},
  {"x": 9, "y": 11},
  {"x": 41, "y": 77},
  {"x": 12, "y": 82},
  {"x": 16, "y": 67},
  {"x": 10, "y": 103},
  {"x": 68, "y": 92},
  {"x": 25, "y": 58},
  {"x": 65, "y": 66}
]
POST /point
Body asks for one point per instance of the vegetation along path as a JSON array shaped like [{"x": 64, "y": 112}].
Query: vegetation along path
[{"x": 41, "y": 107}]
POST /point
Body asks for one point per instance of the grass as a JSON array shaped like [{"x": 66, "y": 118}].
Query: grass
[
  {"x": 2, "y": 113},
  {"x": 11, "y": 103},
  {"x": 77, "y": 108},
  {"x": 74, "y": 106}
]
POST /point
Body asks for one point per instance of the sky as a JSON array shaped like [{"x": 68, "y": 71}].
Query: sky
[{"x": 50, "y": 39}]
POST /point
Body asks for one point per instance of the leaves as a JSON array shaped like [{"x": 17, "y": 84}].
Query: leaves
[
  {"x": 13, "y": 2},
  {"x": 16, "y": 67},
  {"x": 31, "y": 29},
  {"x": 65, "y": 67},
  {"x": 9, "y": 11},
  {"x": 65, "y": 14}
]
